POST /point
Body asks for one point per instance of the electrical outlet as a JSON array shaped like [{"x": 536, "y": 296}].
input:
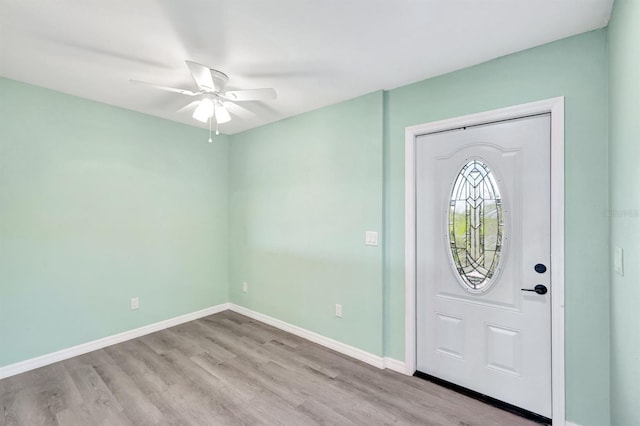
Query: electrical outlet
[
  {"x": 245, "y": 287},
  {"x": 338, "y": 310},
  {"x": 135, "y": 303}
]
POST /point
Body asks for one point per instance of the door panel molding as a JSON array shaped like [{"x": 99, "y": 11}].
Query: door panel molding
[{"x": 555, "y": 107}]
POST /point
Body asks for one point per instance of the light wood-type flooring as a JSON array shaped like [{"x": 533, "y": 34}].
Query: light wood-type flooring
[{"x": 227, "y": 369}]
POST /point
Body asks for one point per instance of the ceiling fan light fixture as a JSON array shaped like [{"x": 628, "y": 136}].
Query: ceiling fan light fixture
[
  {"x": 204, "y": 111},
  {"x": 222, "y": 115}
]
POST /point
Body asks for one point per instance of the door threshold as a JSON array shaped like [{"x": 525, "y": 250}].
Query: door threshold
[{"x": 529, "y": 415}]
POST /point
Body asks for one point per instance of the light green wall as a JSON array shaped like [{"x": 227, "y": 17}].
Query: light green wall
[
  {"x": 97, "y": 205},
  {"x": 303, "y": 192},
  {"x": 577, "y": 69},
  {"x": 624, "y": 151}
]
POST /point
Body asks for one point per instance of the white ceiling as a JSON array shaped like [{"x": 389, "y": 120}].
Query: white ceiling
[{"x": 313, "y": 52}]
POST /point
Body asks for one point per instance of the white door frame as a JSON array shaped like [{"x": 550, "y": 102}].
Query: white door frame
[{"x": 555, "y": 106}]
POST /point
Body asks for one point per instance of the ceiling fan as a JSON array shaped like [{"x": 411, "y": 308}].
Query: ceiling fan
[{"x": 214, "y": 98}]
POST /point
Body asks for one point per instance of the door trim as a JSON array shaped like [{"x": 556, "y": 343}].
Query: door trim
[{"x": 555, "y": 107}]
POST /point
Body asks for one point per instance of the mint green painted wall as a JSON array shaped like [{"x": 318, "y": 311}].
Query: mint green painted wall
[
  {"x": 624, "y": 151},
  {"x": 577, "y": 69},
  {"x": 97, "y": 205},
  {"x": 303, "y": 192}
]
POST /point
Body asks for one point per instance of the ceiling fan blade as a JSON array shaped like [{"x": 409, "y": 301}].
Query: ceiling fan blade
[
  {"x": 201, "y": 75},
  {"x": 189, "y": 106},
  {"x": 251, "y": 95},
  {"x": 222, "y": 115},
  {"x": 165, "y": 88},
  {"x": 239, "y": 110}
]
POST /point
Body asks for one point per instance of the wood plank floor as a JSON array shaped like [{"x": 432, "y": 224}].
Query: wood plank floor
[{"x": 227, "y": 369}]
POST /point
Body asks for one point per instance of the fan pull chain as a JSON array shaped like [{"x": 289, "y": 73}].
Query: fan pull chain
[
  {"x": 217, "y": 131},
  {"x": 211, "y": 140}
]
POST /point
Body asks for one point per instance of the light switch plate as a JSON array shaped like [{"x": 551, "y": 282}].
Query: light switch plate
[
  {"x": 371, "y": 238},
  {"x": 618, "y": 261}
]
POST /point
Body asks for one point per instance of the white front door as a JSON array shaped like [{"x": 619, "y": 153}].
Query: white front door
[{"x": 483, "y": 240}]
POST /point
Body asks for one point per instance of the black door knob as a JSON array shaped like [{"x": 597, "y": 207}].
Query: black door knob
[{"x": 540, "y": 289}]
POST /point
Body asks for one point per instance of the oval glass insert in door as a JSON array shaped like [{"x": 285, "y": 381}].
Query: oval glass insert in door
[{"x": 476, "y": 226}]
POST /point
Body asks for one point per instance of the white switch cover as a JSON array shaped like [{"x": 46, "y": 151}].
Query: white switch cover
[
  {"x": 618, "y": 261},
  {"x": 338, "y": 310},
  {"x": 371, "y": 238},
  {"x": 135, "y": 303},
  {"x": 245, "y": 287}
]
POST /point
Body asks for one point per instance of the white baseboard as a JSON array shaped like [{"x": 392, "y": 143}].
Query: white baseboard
[
  {"x": 41, "y": 361},
  {"x": 571, "y": 424},
  {"x": 343, "y": 348},
  {"x": 395, "y": 365}
]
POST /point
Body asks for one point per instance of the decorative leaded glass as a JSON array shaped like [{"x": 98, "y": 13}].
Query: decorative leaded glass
[{"x": 476, "y": 225}]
